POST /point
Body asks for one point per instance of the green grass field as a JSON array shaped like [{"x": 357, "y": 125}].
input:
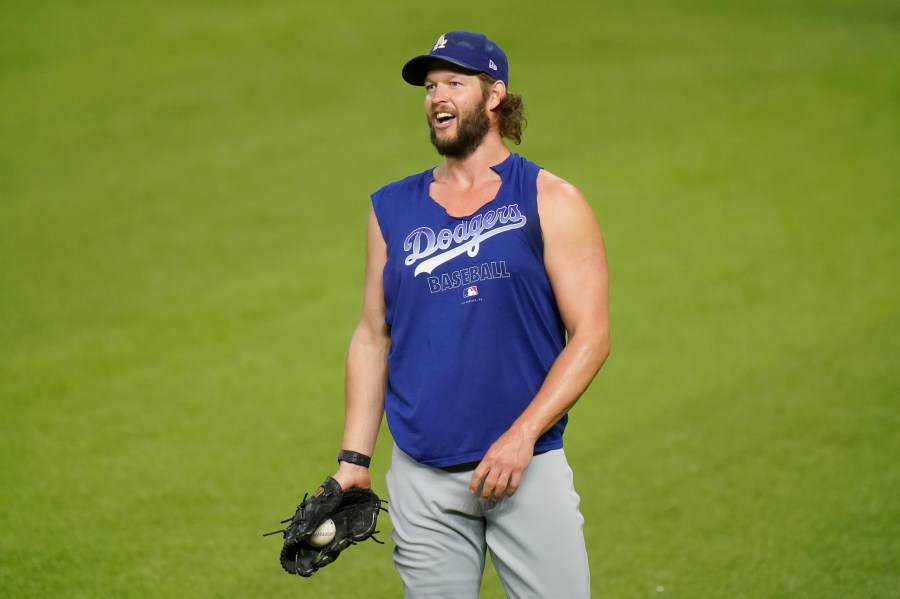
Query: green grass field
[{"x": 183, "y": 193}]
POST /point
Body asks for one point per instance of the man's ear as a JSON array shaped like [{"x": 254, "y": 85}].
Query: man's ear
[{"x": 496, "y": 95}]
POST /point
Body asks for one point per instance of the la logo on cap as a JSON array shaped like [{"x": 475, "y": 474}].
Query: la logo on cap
[{"x": 441, "y": 43}]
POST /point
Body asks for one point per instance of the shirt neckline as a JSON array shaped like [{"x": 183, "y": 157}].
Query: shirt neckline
[{"x": 501, "y": 169}]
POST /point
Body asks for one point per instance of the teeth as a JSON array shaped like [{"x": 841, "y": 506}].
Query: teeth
[{"x": 442, "y": 116}]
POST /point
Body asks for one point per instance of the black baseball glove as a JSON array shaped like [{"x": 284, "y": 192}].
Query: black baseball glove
[{"x": 354, "y": 513}]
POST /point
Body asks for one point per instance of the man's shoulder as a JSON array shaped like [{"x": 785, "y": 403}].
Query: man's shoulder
[
  {"x": 554, "y": 188},
  {"x": 404, "y": 185}
]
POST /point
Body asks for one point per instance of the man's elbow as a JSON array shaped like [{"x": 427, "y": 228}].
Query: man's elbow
[
  {"x": 596, "y": 347},
  {"x": 602, "y": 348}
]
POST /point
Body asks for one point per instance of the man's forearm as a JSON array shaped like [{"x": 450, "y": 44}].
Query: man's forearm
[
  {"x": 571, "y": 374},
  {"x": 366, "y": 377}
]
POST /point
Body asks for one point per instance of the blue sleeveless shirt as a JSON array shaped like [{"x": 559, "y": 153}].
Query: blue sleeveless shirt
[{"x": 473, "y": 321}]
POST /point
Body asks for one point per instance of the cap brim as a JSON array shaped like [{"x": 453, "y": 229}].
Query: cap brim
[{"x": 415, "y": 71}]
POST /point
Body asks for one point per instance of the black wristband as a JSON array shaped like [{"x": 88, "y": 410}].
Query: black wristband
[{"x": 352, "y": 457}]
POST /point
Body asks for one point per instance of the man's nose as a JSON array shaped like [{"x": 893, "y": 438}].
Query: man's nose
[{"x": 439, "y": 94}]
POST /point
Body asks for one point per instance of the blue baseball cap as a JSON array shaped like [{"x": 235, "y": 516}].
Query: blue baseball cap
[{"x": 472, "y": 51}]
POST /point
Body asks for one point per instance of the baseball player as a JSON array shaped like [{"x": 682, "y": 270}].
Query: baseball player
[{"x": 484, "y": 320}]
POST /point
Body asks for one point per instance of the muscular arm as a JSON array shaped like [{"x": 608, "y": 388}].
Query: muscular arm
[
  {"x": 366, "y": 371},
  {"x": 575, "y": 259}
]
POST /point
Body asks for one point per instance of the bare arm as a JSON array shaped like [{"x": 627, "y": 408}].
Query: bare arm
[
  {"x": 575, "y": 259},
  {"x": 366, "y": 371}
]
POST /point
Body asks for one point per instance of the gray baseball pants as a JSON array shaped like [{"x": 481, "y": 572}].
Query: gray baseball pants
[{"x": 442, "y": 532}]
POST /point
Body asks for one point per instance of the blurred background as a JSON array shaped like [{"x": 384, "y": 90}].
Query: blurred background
[{"x": 183, "y": 196}]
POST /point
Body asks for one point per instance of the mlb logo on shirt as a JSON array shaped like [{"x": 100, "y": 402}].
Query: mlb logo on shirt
[{"x": 471, "y": 291}]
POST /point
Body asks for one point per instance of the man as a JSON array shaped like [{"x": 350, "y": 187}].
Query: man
[{"x": 484, "y": 320}]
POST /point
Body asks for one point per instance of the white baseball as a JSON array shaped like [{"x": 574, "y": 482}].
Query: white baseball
[{"x": 324, "y": 534}]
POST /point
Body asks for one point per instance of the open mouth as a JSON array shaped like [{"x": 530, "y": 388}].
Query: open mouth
[{"x": 443, "y": 119}]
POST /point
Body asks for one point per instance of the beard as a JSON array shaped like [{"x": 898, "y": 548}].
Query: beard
[{"x": 472, "y": 129}]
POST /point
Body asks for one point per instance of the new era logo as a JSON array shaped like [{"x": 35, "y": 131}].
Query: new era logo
[{"x": 492, "y": 65}]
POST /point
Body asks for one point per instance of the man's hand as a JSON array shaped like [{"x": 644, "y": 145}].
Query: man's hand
[
  {"x": 351, "y": 476},
  {"x": 500, "y": 472}
]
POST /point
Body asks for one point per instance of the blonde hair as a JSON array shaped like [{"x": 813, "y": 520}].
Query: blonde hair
[{"x": 510, "y": 112}]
